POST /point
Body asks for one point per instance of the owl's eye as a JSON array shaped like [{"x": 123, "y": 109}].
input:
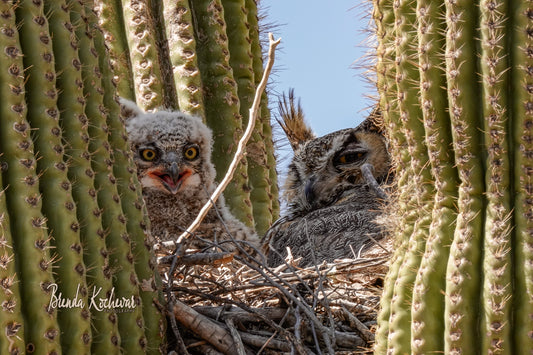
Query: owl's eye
[
  {"x": 191, "y": 153},
  {"x": 148, "y": 154},
  {"x": 349, "y": 158}
]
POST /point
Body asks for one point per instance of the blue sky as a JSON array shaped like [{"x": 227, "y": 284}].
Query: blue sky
[{"x": 321, "y": 50}]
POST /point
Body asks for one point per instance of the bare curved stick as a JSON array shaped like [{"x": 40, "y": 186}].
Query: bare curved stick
[{"x": 239, "y": 154}]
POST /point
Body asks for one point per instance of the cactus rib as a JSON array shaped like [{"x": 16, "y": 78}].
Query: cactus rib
[
  {"x": 521, "y": 42},
  {"x": 27, "y": 224},
  {"x": 11, "y": 320},
  {"x": 149, "y": 89},
  {"x": 183, "y": 57},
  {"x": 112, "y": 22},
  {"x": 428, "y": 298},
  {"x": 497, "y": 287},
  {"x": 463, "y": 294}
]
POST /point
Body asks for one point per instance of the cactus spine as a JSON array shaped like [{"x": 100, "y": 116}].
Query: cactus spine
[{"x": 472, "y": 290}]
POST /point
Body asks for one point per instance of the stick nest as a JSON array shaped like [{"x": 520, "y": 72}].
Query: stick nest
[{"x": 233, "y": 303}]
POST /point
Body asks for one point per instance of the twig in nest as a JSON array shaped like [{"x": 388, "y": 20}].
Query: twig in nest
[
  {"x": 207, "y": 329},
  {"x": 198, "y": 259},
  {"x": 366, "y": 334},
  {"x": 239, "y": 154},
  {"x": 236, "y": 337}
]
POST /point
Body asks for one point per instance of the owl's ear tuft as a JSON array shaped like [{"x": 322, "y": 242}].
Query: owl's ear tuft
[
  {"x": 129, "y": 109},
  {"x": 292, "y": 121}
]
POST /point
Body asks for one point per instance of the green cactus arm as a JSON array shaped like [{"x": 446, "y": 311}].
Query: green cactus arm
[
  {"x": 57, "y": 204},
  {"x": 463, "y": 279},
  {"x": 241, "y": 62},
  {"x": 522, "y": 141},
  {"x": 149, "y": 89},
  {"x": 428, "y": 298},
  {"x": 182, "y": 48},
  {"x": 112, "y": 22},
  {"x": 497, "y": 260},
  {"x": 221, "y": 102},
  {"x": 137, "y": 223},
  {"x": 27, "y": 224},
  {"x": 130, "y": 323}
]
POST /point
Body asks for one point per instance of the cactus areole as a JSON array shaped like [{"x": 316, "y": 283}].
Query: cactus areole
[{"x": 455, "y": 81}]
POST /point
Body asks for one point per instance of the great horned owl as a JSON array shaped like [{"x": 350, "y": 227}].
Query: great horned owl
[
  {"x": 172, "y": 151},
  {"x": 332, "y": 191}
]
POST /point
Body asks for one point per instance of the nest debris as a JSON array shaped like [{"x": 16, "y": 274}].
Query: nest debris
[{"x": 233, "y": 303}]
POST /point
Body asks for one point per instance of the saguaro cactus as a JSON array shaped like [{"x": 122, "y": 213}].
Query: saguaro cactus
[
  {"x": 455, "y": 84},
  {"x": 69, "y": 280}
]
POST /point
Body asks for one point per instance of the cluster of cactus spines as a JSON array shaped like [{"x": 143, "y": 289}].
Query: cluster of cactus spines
[
  {"x": 137, "y": 223},
  {"x": 58, "y": 205},
  {"x": 31, "y": 244},
  {"x": 522, "y": 170},
  {"x": 182, "y": 51},
  {"x": 118, "y": 240},
  {"x": 147, "y": 76},
  {"x": 473, "y": 285}
]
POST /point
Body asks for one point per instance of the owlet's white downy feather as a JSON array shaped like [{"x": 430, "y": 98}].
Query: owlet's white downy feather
[{"x": 172, "y": 151}]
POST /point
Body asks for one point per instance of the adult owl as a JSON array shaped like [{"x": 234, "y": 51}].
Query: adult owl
[
  {"x": 333, "y": 191},
  {"x": 172, "y": 151}
]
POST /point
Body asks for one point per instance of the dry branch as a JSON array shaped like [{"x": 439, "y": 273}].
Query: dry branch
[
  {"x": 239, "y": 154},
  {"x": 204, "y": 327}
]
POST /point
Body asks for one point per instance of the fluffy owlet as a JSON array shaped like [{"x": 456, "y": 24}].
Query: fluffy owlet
[
  {"x": 332, "y": 191},
  {"x": 172, "y": 151}
]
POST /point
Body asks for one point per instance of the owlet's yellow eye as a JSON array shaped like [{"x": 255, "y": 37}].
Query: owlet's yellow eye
[
  {"x": 148, "y": 154},
  {"x": 191, "y": 153}
]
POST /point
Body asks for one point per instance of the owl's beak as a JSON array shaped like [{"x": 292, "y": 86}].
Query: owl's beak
[
  {"x": 309, "y": 189},
  {"x": 172, "y": 177}
]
